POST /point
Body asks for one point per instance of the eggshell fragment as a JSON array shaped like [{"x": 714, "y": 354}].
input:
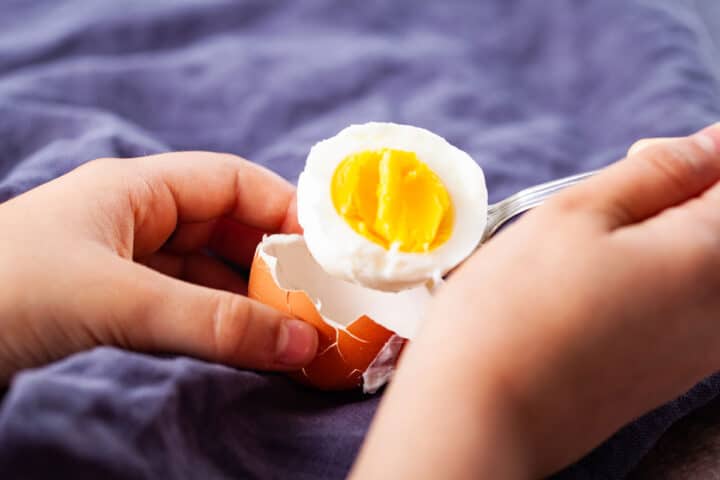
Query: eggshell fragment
[{"x": 361, "y": 331}]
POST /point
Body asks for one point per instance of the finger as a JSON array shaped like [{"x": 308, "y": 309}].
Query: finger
[
  {"x": 227, "y": 238},
  {"x": 154, "y": 312},
  {"x": 658, "y": 176},
  {"x": 175, "y": 188},
  {"x": 190, "y": 237},
  {"x": 646, "y": 142},
  {"x": 197, "y": 268},
  {"x": 291, "y": 223},
  {"x": 235, "y": 242},
  {"x": 689, "y": 235}
]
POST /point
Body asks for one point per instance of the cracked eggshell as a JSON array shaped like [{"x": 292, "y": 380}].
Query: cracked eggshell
[{"x": 361, "y": 331}]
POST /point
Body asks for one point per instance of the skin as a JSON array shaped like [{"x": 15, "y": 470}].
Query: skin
[
  {"x": 586, "y": 313},
  {"x": 113, "y": 253}
]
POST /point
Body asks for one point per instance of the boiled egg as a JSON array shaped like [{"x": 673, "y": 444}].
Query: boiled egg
[
  {"x": 386, "y": 211},
  {"x": 390, "y": 206}
]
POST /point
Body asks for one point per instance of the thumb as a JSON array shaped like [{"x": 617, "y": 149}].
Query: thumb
[
  {"x": 149, "y": 311},
  {"x": 657, "y": 174}
]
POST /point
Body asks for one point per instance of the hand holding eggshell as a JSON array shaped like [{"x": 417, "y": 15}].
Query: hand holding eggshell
[{"x": 114, "y": 253}]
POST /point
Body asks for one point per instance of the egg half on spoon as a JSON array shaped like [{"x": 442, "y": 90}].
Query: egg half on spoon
[{"x": 386, "y": 211}]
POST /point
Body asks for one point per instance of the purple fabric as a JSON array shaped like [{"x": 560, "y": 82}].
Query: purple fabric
[{"x": 532, "y": 90}]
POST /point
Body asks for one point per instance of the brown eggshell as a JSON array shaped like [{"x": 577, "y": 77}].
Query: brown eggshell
[{"x": 344, "y": 354}]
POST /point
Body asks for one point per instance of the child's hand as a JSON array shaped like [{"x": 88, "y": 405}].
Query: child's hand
[
  {"x": 69, "y": 281},
  {"x": 587, "y": 313}
]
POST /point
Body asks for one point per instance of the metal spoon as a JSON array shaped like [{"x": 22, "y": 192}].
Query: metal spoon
[{"x": 501, "y": 212}]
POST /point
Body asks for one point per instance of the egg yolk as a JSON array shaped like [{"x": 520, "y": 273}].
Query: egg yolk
[{"x": 393, "y": 199}]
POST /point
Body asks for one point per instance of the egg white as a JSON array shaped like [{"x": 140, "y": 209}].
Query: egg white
[{"x": 344, "y": 253}]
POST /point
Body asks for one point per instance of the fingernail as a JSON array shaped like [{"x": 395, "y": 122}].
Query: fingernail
[
  {"x": 296, "y": 343},
  {"x": 708, "y": 138}
]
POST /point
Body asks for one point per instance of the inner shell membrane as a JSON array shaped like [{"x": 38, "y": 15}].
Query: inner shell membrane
[{"x": 342, "y": 302}]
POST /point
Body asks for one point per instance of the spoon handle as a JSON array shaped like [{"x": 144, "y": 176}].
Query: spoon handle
[{"x": 501, "y": 212}]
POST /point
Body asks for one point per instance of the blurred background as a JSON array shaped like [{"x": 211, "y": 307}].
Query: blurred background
[{"x": 531, "y": 90}]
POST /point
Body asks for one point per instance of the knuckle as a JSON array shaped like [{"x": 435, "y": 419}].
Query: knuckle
[
  {"x": 567, "y": 201},
  {"x": 105, "y": 163},
  {"x": 638, "y": 145},
  {"x": 230, "y": 158},
  {"x": 678, "y": 166},
  {"x": 231, "y": 319},
  {"x": 110, "y": 169},
  {"x": 98, "y": 166},
  {"x": 574, "y": 204},
  {"x": 147, "y": 195},
  {"x": 145, "y": 191},
  {"x": 644, "y": 143},
  {"x": 102, "y": 162}
]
